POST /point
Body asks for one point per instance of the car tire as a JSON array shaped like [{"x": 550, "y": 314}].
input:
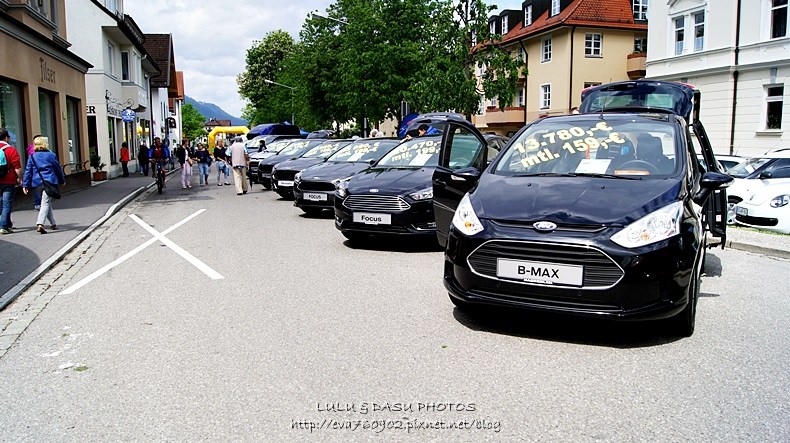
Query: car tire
[
  {"x": 682, "y": 324},
  {"x": 267, "y": 187},
  {"x": 312, "y": 211}
]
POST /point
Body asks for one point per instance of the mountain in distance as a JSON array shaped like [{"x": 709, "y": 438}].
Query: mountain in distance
[{"x": 210, "y": 110}]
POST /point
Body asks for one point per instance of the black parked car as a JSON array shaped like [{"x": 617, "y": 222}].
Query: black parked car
[
  {"x": 294, "y": 150},
  {"x": 272, "y": 148},
  {"x": 601, "y": 214},
  {"x": 283, "y": 173},
  {"x": 314, "y": 187}
]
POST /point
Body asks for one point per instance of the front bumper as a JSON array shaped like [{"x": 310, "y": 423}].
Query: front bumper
[
  {"x": 418, "y": 220},
  {"x": 618, "y": 283},
  {"x": 760, "y": 217},
  {"x": 317, "y": 199}
]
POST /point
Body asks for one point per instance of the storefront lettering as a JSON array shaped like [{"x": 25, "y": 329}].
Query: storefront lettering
[{"x": 47, "y": 75}]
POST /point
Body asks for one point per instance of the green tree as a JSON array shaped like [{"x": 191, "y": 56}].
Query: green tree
[
  {"x": 192, "y": 122},
  {"x": 264, "y": 61}
]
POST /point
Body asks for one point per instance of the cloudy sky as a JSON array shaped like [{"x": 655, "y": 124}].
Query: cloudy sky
[{"x": 211, "y": 38}]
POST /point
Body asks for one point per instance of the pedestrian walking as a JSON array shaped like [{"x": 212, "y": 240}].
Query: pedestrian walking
[
  {"x": 125, "y": 157},
  {"x": 36, "y": 194},
  {"x": 204, "y": 162},
  {"x": 142, "y": 159},
  {"x": 43, "y": 167},
  {"x": 186, "y": 165},
  {"x": 222, "y": 165},
  {"x": 239, "y": 159},
  {"x": 10, "y": 178}
]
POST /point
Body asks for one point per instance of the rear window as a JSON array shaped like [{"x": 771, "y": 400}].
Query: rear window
[
  {"x": 635, "y": 146},
  {"x": 417, "y": 152}
]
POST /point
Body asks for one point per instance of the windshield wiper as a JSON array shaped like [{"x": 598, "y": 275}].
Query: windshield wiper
[
  {"x": 590, "y": 174},
  {"x": 576, "y": 174}
]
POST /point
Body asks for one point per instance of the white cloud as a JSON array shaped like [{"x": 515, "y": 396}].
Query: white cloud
[{"x": 211, "y": 38}]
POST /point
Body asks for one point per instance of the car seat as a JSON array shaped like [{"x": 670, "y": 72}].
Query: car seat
[{"x": 650, "y": 149}]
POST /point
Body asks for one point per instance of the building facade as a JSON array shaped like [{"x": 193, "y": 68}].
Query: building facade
[
  {"x": 567, "y": 45},
  {"x": 118, "y": 90},
  {"x": 740, "y": 65},
  {"x": 42, "y": 84},
  {"x": 166, "y": 97}
]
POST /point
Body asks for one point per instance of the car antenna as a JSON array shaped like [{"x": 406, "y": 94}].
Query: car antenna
[{"x": 604, "y": 102}]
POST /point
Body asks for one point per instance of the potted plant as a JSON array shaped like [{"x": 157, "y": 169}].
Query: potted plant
[{"x": 99, "y": 174}]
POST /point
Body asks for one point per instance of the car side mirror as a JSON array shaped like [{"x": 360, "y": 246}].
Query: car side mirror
[
  {"x": 372, "y": 162},
  {"x": 767, "y": 174},
  {"x": 465, "y": 173},
  {"x": 711, "y": 181}
]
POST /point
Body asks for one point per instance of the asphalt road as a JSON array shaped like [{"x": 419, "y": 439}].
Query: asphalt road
[{"x": 304, "y": 334}]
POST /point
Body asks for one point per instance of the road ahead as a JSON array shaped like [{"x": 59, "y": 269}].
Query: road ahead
[{"x": 299, "y": 334}]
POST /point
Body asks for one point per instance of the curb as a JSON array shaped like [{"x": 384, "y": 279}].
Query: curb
[
  {"x": 11, "y": 295},
  {"x": 748, "y": 247}
]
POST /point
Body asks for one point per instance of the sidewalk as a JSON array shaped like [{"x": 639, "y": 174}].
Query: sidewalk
[
  {"x": 26, "y": 254},
  {"x": 765, "y": 243}
]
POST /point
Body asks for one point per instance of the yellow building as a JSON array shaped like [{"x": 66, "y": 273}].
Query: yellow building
[{"x": 567, "y": 45}]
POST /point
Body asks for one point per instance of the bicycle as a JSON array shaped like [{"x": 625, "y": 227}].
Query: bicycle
[{"x": 160, "y": 177}]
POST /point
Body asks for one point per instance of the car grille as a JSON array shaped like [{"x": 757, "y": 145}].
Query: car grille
[
  {"x": 376, "y": 203},
  {"x": 254, "y": 165},
  {"x": 757, "y": 221},
  {"x": 265, "y": 169},
  {"x": 285, "y": 175},
  {"x": 316, "y": 186},
  {"x": 600, "y": 271}
]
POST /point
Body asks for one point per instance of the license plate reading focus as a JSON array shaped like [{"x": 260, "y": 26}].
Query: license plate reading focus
[
  {"x": 316, "y": 197},
  {"x": 286, "y": 183},
  {"x": 540, "y": 272},
  {"x": 369, "y": 218}
]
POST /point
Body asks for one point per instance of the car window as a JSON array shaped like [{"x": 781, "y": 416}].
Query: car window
[
  {"x": 777, "y": 164},
  {"x": 363, "y": 151},
  {"x": 780, "y": 172},
  {"x": 417, "y": 152},
  {"x": 634, "y": 146},
  {"x": 465, "y": 148},
  {"x": 295, "y": 147},
  {"x": 747, "y": 167},
  {"x": 276, "y": 146},
  {"x": 324, "y": 150},
  {"x": 492, "y": 149}
]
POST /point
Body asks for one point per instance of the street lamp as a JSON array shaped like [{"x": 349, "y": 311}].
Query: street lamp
[
  {"x": 267, "y": 81},
  {"x": 339, "y": 20}
]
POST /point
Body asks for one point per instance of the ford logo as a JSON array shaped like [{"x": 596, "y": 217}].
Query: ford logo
[
  {"x": 544, "y": 226},
  {"x": 374, "y": 190}
]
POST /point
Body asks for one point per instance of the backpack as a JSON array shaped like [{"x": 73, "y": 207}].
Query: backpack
[{"x": 4, "y": 168}]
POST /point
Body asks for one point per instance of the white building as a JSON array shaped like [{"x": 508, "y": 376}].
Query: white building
[
  {"x": 737, "y": 53},
  {"x": 167, "y": 89},
  {"x": 118, "y": 83}
]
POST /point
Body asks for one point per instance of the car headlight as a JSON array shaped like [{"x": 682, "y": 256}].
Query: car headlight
[
  {"x": 782, "y": 200},
  {"x": 298, "y": 177},
  {"x": 656, "y": 226},
  {"x": 424, "y": 194},
  {"x": 274, "y": 168},
  {"x": 465, "y": 219},
  {"x": 341, "y": 187}
]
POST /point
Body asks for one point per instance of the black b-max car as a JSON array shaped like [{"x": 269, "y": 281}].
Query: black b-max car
[{"x": 600, "y": 214}]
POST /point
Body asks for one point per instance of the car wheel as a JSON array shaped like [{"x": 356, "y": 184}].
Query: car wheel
[
  {"x": 683, "y": 323},
  {"x": 312, "y": 211},
  {"x": 731, "y": 202},
  {"x": 267, "y": 186}
]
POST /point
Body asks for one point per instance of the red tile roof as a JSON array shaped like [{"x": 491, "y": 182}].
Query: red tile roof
[{"x": 588, "y": 13}]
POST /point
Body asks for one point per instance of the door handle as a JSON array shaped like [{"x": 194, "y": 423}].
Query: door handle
[
  {"x": 441, "y": 183},
  {"x": 457, "y": 178}
]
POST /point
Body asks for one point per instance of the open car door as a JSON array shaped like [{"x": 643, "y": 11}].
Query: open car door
[
  {"x": 714, "y": 212},
  {"x": 462, "y": 159}
]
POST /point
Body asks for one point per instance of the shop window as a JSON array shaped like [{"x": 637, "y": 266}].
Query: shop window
[
  {"x": 11, "y": 117},
  {"x": 72, "y": 121},
  {"x": 113, "y": 138},
  {"x": 46, "y": 113}
]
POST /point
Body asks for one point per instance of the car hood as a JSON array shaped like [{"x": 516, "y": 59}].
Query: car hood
[
  {"x": 326, "y": 172},
  {"x": 571, "y": 200},
  {"x": 299, "y": 164},
  {"x": 767, "y": 193},
  {"x": 391, "y": 180}
]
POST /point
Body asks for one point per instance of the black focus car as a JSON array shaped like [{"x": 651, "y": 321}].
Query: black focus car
[
  {"x": 283, "y": 173},
  {"x": 600, "y": 214},
  {"x": 294, "y": 150},
  {"x": 256, "y": 156},
  {"x": 314, "y": 187}
]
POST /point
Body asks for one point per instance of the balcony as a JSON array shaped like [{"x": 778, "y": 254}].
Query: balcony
[
  {"x": 513, "y": 116},
  {"x": 635, "y": 65}
]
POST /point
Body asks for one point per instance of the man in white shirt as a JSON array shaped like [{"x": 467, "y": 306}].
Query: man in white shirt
[{"x": 239, "y": 159}]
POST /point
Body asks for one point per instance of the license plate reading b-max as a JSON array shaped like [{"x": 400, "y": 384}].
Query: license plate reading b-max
[
  {"x": 540, "y": 272},
  {"x": 316, "y": 197},
  {"x": 369, "y": 218}
]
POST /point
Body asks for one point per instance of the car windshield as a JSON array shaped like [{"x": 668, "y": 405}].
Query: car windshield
[
  {"x": 417, "y": 152},
  {"x": 632, "y": 146},
  {"x": 295, "y": 147},
  {"x": 363, "y": 151},
  {"x": 747, "y": 167},
  {"x": 325, "y": 149}
]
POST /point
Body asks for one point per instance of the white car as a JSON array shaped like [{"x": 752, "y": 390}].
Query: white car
[
  {"x": 728, "y": 161},
  {"x": 767, "y": 208},
  {"x": 754, "y": 173}
]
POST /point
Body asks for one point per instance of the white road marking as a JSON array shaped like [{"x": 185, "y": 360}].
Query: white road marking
[{"x": 158, "y": 236}]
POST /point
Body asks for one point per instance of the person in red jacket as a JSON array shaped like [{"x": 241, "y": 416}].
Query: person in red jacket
[
  {"x": 125, "y": 157},
  {"x": 9, "y": 181}
]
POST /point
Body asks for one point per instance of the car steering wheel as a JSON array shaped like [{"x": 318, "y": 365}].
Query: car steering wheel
[{"x": 640, "y": 164}]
